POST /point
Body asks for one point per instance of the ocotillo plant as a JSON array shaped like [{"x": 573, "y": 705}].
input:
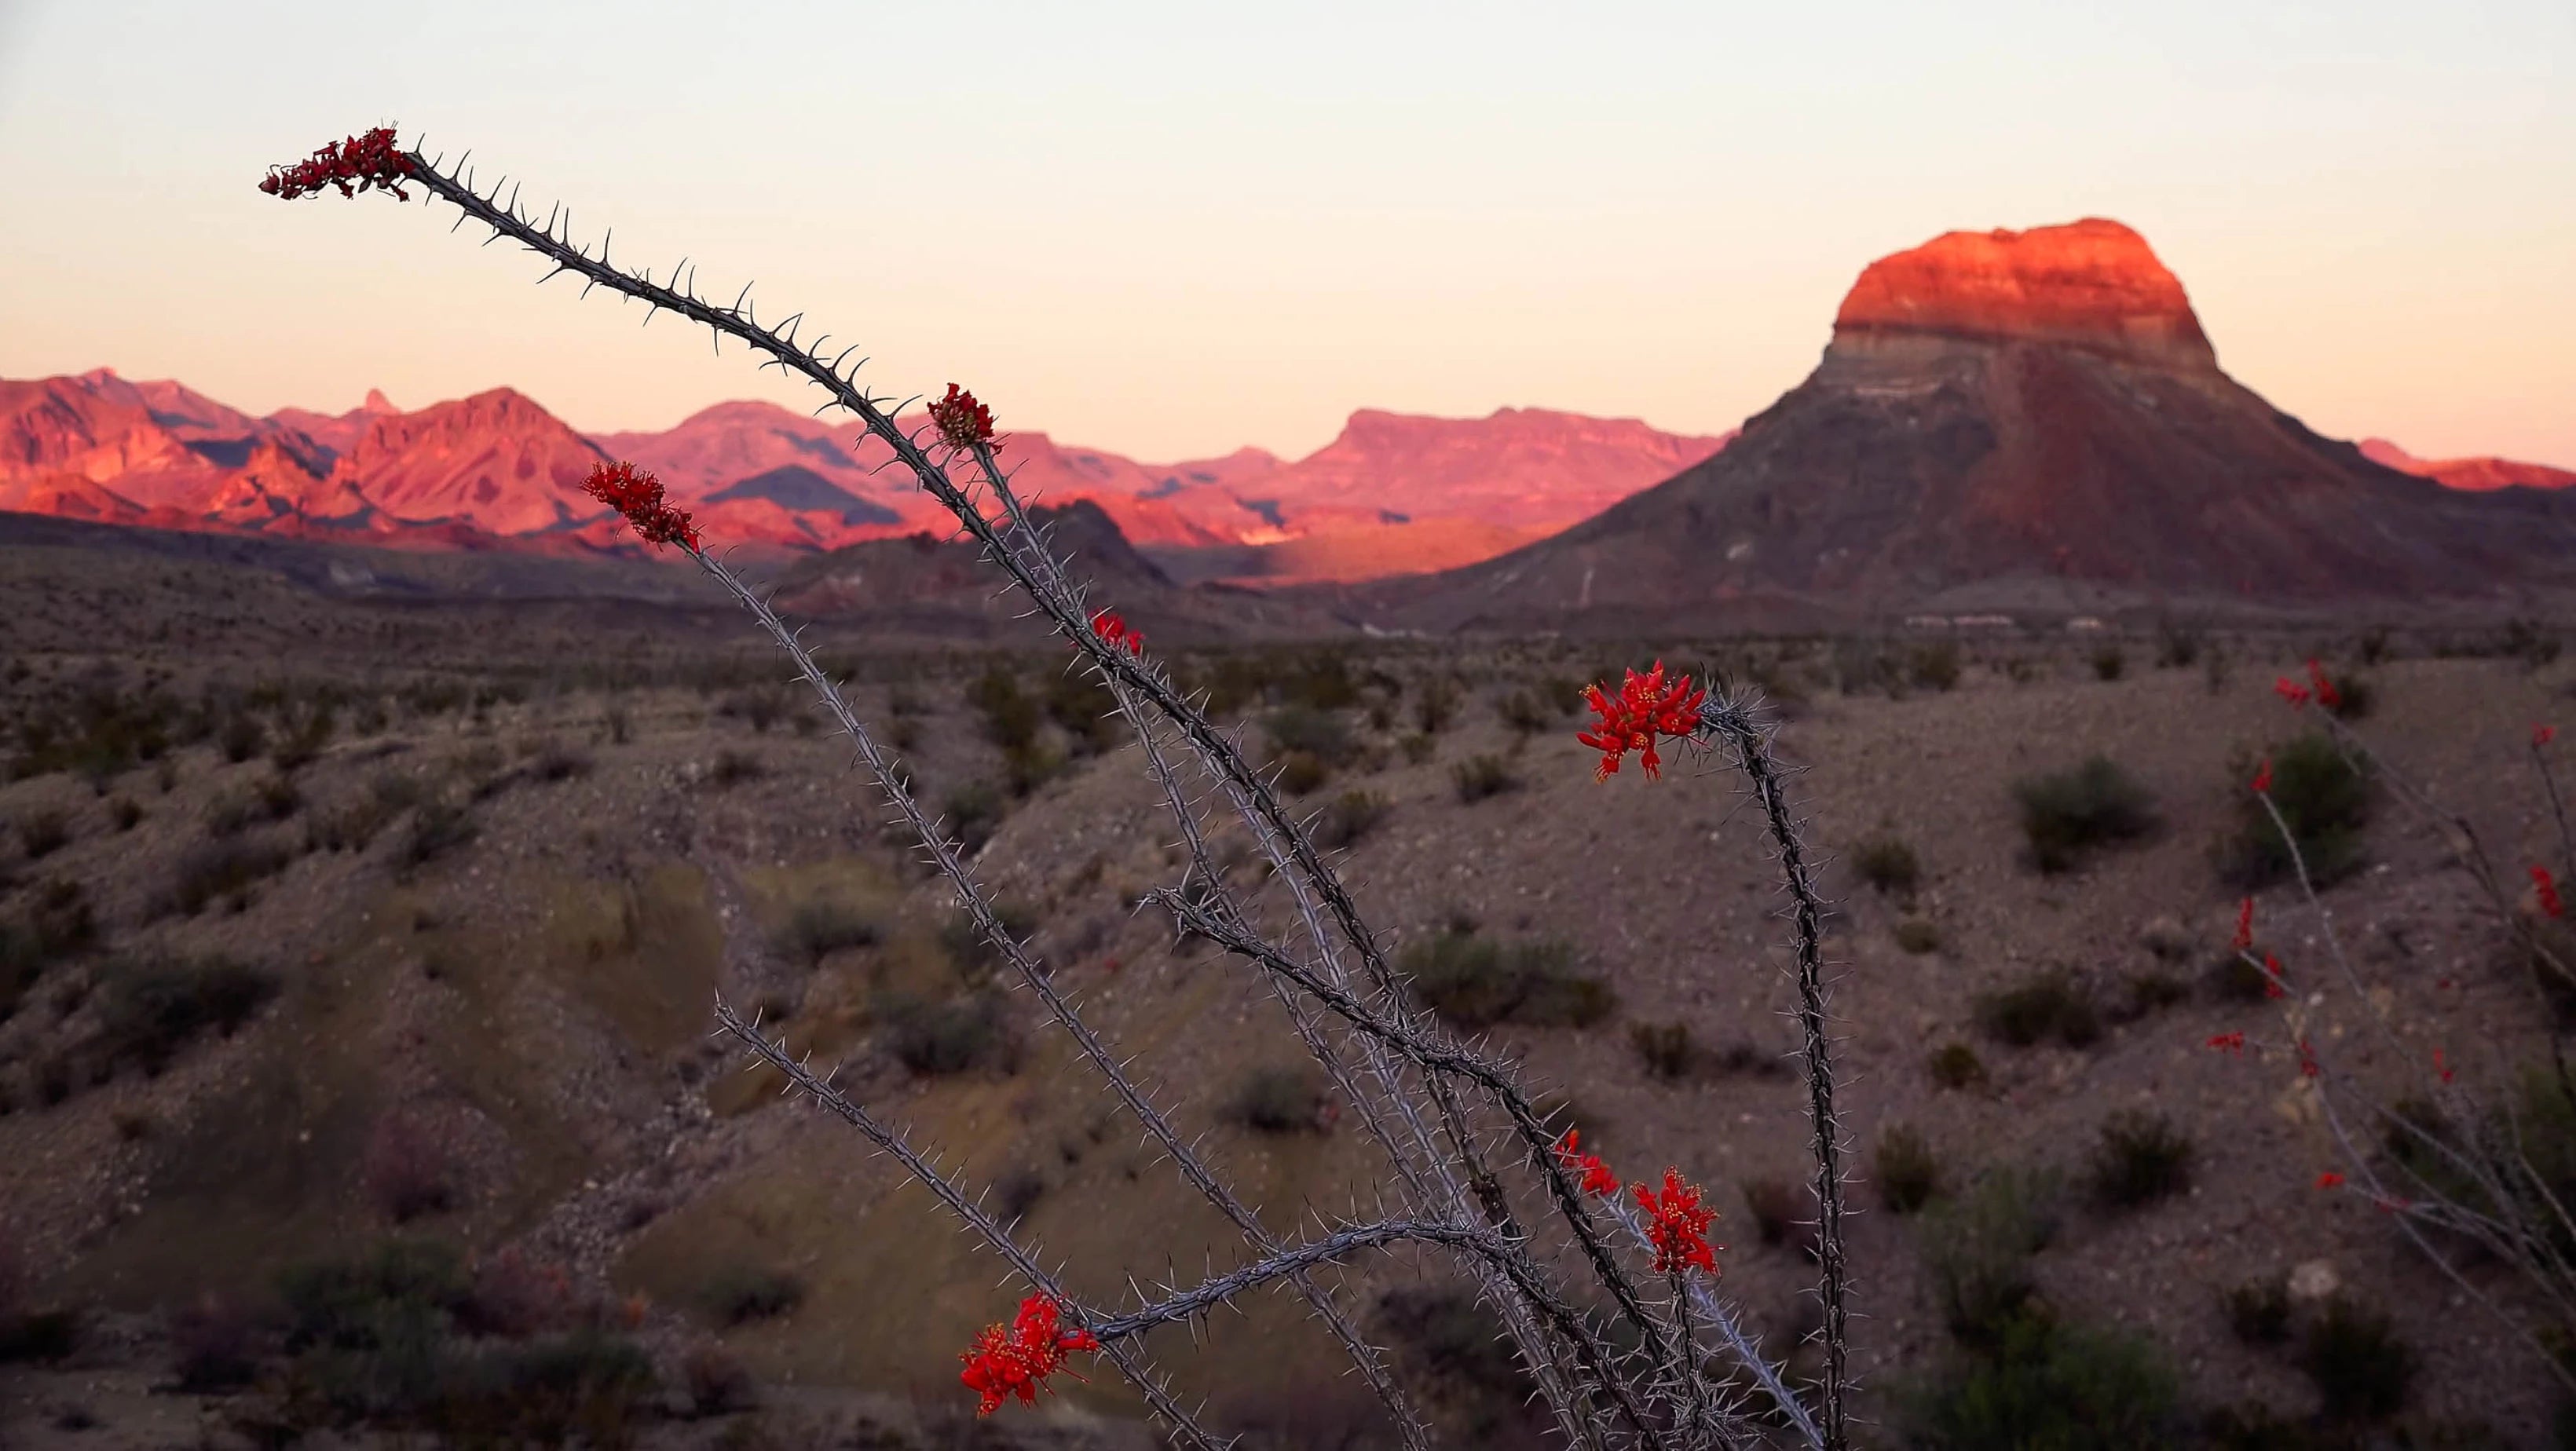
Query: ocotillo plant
[
  {"x": 1629, "y": 1363},
  {"x": 2458, "y": 1165}
]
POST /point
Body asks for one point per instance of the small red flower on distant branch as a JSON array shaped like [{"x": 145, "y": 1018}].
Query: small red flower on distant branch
[
  {"x": 962, "y": 421},
  {"x": 2327, "y": 695},
  {"x": 2244, "y": 927},
  {"x": 2330, "y": 1180},
  {"x": 369, "y": 160},
  {"x": 1015, "y": 1361},
  {"x": 2441, "y": 1067},
  {"x": 1114, "y": 630},
  {"x": 1677, "y": 1225},
  {"x": 636, "y": 494},
  {"x": 2308, "y": 1060},
  {"x": 2229, "y": 1042},
  {"x": 2274, "y": 985},
  {"x": 2291, "y": 691},
  {"x": 2542, "y": 735},
  {"x": 2546, "y": 886},
  {"x": 1597, "y": 1178},
  {"x": 1646, "y": 708},
  {"x": 2263, "y": 778}
]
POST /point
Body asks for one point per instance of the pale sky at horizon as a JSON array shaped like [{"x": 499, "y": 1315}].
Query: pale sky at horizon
[{"x": 1172, "y": 230}]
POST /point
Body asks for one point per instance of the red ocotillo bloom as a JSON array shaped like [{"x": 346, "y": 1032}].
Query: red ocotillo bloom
[
  {"x": 1645, "y": 709},
  {"x": 2329, "y": 1180},
  {"x": 2228, "y": 1042},
  {"x": 2327, "y": 695},
  {"x": 1116, "y": 632},
  {"x": 372, "y": 160},
  {"x": 1015, "y": 1361},
  {"x": 2291, "y": 691},
  {"x": 2263, "y": 778},
  {"x": 2441, "y": 1067},
  {"x": 2244, "y": 937},
  {"x": 1597, "y": 1178},
  {"x": 2545, "y": 887},
  {"x": 636, "y": 494},
  {"x": 2308, "y": 1061},
  {"x": 1677, "y": 1224},
  {"x": 2274, "y": 985},
  {"x": 962, "y": 421},
  {"x": 2542, "y": 735}
]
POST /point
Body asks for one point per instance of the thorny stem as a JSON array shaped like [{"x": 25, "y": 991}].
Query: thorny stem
[{"x": 1748, "y": 740}]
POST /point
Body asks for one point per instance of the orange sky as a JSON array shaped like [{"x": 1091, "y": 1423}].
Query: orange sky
[{"x": 1148, "y": 230}]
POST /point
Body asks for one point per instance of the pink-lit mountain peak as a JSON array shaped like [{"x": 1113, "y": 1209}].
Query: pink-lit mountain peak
[{"x": 2093, "y": 284}]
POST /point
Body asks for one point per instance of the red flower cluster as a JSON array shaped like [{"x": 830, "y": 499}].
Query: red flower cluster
[
  {"x": 1016, "y": 1361},
  {"x": 2308, "y": 1060},
  {"x": 1678, "y": 1224},
  {"x": 2542, "y": 735},
  {"x": 2546, "y": 886},
  {"x": 2244, "y": 937},
  {"x": 1114, "y": 630},
  {"x": 2329, "y": 1180},
  {"x": 962, "y": 421},
  {"x": 2441, "y": 1067},
  {"x": 369, "y": 160},
  {"x": 2263, "y": 778},
  {"x": 1597, "y": 1178},
  {"x": 1645, "y": 709},
  {"x": 2230, "y": 1042},
  {"x": 2291, "y": 691},
  {"x": 2274, "y": 985},
  {"x": 636, "y": 494}
]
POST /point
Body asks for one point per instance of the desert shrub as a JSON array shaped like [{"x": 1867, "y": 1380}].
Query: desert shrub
[
  {"x": 1017, "y": 1192},
  {"x": 50, "y": 1334},
  {"x": 1977, "y": 1247},
  {"x": 740, "y": 1294},
  {"x": 733, "y": 768},
  {"x": 820, "y": 926},
  {"x": 2178, "y": 646},
  {"x": 2140, "y": 1159},
  {"x": 2355, "y": 696},
  {"x": 124, "y": 814},
  {"x": 1478, "y": 777},
  {"x": 715, "y": 1379},
  {"x": 2152, "y": 991},
  {"x": 1906, "y": 1170},
  {"x": 57, "y": 925},
  {"x": 1352, "y": 815},
  {"x": 1888, "y": 863},
  {"x": 974, "y": 810},
  {"x": 1418, "y": 749},
  {"x": 274, "y": 799},
  {"x": 2258, "y": 1311},
  {"x": 1278, "y": 1101},
  {"x": 2325, "y": 801},
  {"x": 1917, "y": 936},
  {"x": 148, "y": 1011},
  {"x": 2110, "y": 662},
  {"x": 438, "y": 826},
  {"x": 241, "y": 738},
  {"x": 354, "y": 827},
  {"x": 2045, "y": 1004},
  {"x": 2071, "y": 813},
  {"x": 556, "y": 762},
  {"x": 587, "y": 1384},
  {"x": 760, "y": 708},
  {"x": 214, "y": 869},
  {"x": 1524, "y": 713},
  {"x": 1455, "y": 1339},
  {"x": 214, "y": 1347},
  {"x": 1664, "y": 1048},
  {"x": 1435, "y": 705},
  {"x": 1084, "y": 708},
  {"x": 1741, "y": 1059},
  {"x": 936, "y": 1039},
  {"x": 1955, "y": 1065},
  {"x": 1784, "y": 1215},
  {"x": 2048, "y": 1386},
  {"x": 1298, "y": 772},
  {"x": 407, "y": 1170},
  {"x": 1322, "y": 734},
  {"x": 1934, "y": 666},
  {"x": 1010, "y": 716},
  {"x": 974, "y": 955},
  {"x": 42, "y": 833},
  {"x": 2361, "y": 1369},
  {"x": 1475, "y": 983}
]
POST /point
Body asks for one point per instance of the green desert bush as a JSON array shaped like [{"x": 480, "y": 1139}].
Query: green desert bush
[
  {"x": 2362, "y": 1371},
  {"x": 1279, "y": 1100},
  {"x": 1977, "y": 1247},
  {"x": 2048, "y": 1003},
  {"x": 1472, "y": 982},
  {"x": 2071, "y": 814},
  {"x": 2049, "y": 1386},
  {"x": 150, "y": 1009},
  {"x": 1481, "y": 776},
  {"x": 1888, "y": 864},
  {"x": 1905, "y": 1169},
  {"x": 2140, "y": 1158},
  {"x": 2323, "y": 798},
  {"x": 1955, "y": 1065}
]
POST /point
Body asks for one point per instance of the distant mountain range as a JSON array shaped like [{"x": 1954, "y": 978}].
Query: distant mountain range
[
  {"x": 2019, "y": 422},
  {"x": 496, "y": 471}
]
